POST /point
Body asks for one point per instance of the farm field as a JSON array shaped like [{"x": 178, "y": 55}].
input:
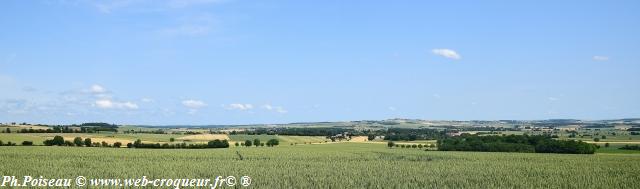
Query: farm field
[{"x": 341, "y": 165}]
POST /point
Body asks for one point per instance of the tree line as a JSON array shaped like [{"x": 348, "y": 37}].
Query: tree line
[
  {"x": 514, "y": 143},
  {"x": 211, "y": 144},
  {"x": 257, "y": 143},
  {"x": 78, "y": 141},
  {"x": 630, "y": 147}
]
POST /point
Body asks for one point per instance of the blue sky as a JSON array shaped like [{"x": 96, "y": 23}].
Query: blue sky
[{"x": 241, "y": 62}]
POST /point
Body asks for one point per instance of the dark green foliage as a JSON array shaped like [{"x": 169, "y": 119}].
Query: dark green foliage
[
  {"x": 57, "y": 140},
  {"x": 371, "y": 137},
  {"x": 10, "y": 143},
  {"x": 87, "y": 142},
  {"x": 211, "y": 144},
  {"x": 630, "y": 147},
  {"x": 247, "y": 143},
  {"x": 78, "y": 141},
  {"x": 514, "y": 143},
  {"x": 273, "y": 142},
  {"x": 27, "y": 143},
  {"x": 256, "y": 142},
  {"x": 218, "y": 144},
  {"x": 390, "y": 144},
  {"x": 406, "y": 134},
  {"x": 117, "y": 144}
]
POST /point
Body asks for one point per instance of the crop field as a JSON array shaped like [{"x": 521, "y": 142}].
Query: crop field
[{"x": 341, "y": 165}]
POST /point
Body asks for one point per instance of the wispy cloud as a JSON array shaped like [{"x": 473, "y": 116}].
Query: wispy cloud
[
  {"x": 193, "y": 104},
  {"x": 600, "y": 58},
  {"x": 189, "y": 3},
  {"x": 191, "y": 25},
  {"x": 238, "y": 106},
  {"x": 552, "y": 99},
  {"x": 278, "y": 109},
  {"x": 110, "y": 104},
  {"x": 108, "y": 7},
  {"x": 447, "y": 53},
  {"x": 97, "y": 89}
]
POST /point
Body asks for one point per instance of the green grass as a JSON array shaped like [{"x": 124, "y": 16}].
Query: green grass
[{"x": 338, "y": 165}]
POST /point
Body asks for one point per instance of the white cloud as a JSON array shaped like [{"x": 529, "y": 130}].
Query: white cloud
[
  {"x": 552, "y": 99},
  {"x": 109, "y": 104},
  {"x": 241, "y": 107},
  {"x": 97, "y": 89},
  {"x": 600, "y": 58},
  {"x": 448, "y": 53},
  {"x": 193, "y": 104},
  {"x": 391, "y": 108},
  {"x": 278, "y": 109},
  {"x": 436, "y": 95}
]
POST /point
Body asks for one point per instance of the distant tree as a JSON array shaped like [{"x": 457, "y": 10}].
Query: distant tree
[
  {"x": 68, "y": 143},
  {"x": 256, "y": 142},
  {"x": 172, "y": 139},
  {"x": 137, "y": 143},
  {"x": 390, "y": 144},
  {"x": 1, "y": 143},
  {"x": 414, "y": 146},
  {"x": 129, "y": 145},
  {"x": 596, "y": 139},
  {"x": 247, "y": 143},
  {"x": 273, "y": 142},
  {"x": 262, "y": 144},
  {"x": 371, "y": 137},
  {"x": 606, "y": 145},
  {"x": 58, "y": 140},
  {"x": 27, "y": 143},
  {"x": 8, "y": 130},
  {"x": 237, "y": 144},
  {"x": 604, "y": 137},
  {"x": 420, "y": 146},
  {"x": 105, "y": 144},
  {"x": 87, "y": 142},
  {"x": 117, "y": 144},
  {"x": 78, "y": 141}
]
